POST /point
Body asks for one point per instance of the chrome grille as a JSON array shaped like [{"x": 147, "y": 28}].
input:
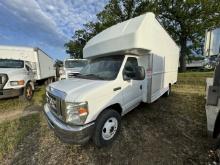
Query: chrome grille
[{"x": 55, "y": 104}]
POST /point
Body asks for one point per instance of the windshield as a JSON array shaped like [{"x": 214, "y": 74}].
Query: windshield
[
  {"x": 9, "y": 63},
  {"x": 75, "y": 63},
  {"x": 103, "y": 68}
]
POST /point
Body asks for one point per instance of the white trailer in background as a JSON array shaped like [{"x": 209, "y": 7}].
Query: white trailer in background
[
  {"x": 21, "y": 67},
  {"x": 132, "y": 62}
]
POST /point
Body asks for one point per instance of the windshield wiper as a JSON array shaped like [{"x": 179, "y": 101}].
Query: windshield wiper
[
  {"x": 93, "y": 75},
  {"x": 89, "y": 76}
]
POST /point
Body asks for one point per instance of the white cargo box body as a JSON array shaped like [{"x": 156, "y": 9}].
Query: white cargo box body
[
  {"x": 145, "y": 37},
  {"x": 41, "y": 63}
]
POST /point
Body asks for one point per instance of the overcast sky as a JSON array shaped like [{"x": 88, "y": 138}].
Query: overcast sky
[{"x": 46, "y": 24}]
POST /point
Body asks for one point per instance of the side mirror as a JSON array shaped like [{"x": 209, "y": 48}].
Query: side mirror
[
  {"x": 136, "y": 74},
  {"x": 129, "y": 73},
  {"x": 140, "y": 73}
]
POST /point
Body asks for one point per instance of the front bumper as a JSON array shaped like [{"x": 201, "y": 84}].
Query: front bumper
[
  {"x": 7, "y": 93},
  {"x": 67, "y": 133}
]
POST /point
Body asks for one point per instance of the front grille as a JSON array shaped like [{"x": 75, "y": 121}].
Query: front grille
[
  {"x": 72, "y": 75},
  {"x": 55, "y": 104},
  {"x": 3, "y": 80}
]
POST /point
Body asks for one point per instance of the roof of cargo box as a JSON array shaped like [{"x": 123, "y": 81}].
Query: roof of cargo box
[
  {"x": 22, "y": 48},
  {"x": 125, "y": 37}
]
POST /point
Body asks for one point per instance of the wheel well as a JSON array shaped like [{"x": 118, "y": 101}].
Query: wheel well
[
  {"x": 217, "y": 126},
  {"x": 32, "y": 84},
  {"x": 116, "y": 107}
]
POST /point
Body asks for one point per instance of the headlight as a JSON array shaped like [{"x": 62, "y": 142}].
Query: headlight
[
  {"x": 76, "y": 113},
  {"x": 16, "y": 83}
]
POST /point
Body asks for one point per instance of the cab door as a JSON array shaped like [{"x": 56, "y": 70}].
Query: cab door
[
  {"x": 132, "y": 88},
  {"x": 29, "y": 71}
]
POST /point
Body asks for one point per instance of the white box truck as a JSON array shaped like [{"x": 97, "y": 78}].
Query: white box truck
[
  {"x": 20, "y": 68},
  {"x": 71, "y": 67},
  {"x": 132, "y": 62}
]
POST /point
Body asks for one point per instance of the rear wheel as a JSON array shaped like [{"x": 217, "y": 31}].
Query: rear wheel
[
  {"x": 168, "y": 92},
  {"x": 107, "y": 127}
]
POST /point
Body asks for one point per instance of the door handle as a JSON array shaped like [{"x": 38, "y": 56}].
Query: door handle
[
  {"x": 140, "y": 87},
  {"x": 117, "y": 88}
]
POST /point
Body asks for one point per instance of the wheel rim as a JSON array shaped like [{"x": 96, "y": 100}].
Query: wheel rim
[{"x": 110, "y": 128}]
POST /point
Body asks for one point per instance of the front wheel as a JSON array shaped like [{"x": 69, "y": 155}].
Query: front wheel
[
  {"x": 168, "y": 92},
  {"x": 107, "y": 127},
  {"x": 28, "y": 92}
]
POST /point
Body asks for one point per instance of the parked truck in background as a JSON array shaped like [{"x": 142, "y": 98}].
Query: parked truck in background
[
  {"x": 21, "y": 68},
  {"x": 132, "y": 62},
  {"x": 212, "y": 50},
  {"x": 71, "y": 67}
]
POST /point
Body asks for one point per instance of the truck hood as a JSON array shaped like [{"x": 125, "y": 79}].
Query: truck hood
[
  {"x": 11, "y": 71},
  {"x": 75, "y": 88}
]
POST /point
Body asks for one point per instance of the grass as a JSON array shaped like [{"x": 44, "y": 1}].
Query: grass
[
  {"x": 194, "y": 78},
  {"x": 13, "y": 132},
  {"x": 20, "y": 103},
  {"x": 185, "y": 108}
]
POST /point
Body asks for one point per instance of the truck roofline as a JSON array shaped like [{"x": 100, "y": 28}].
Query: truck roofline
[{"x": 29, "y": 48}]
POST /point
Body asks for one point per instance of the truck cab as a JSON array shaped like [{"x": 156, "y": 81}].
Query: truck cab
[
  {"x": 16, "y": 78},
  {"x": 109, "y": 85},
  {"x": 71, "y": 67}
]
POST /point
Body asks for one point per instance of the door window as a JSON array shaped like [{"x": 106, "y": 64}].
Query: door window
[{"x": 131, "y": 67}]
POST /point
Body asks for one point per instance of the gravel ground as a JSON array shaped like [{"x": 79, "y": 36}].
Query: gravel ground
[{"x": 169, "y": 131}]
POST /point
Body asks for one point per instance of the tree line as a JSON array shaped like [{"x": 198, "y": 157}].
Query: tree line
[{"x": 185, "y": 20}]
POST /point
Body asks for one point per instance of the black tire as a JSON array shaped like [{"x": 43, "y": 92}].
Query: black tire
[
  {"x": 168, "y": 92},
  {"x": 28, "y": 92},
  {"x": 105, "y": 117}
]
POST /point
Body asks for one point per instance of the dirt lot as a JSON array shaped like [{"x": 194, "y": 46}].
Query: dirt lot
[{"x": 170, "y": 131}]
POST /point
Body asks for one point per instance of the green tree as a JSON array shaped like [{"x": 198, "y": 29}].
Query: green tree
[
  {"x": 187, "y": 21},
  {"x": 114, "y": 12}
]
